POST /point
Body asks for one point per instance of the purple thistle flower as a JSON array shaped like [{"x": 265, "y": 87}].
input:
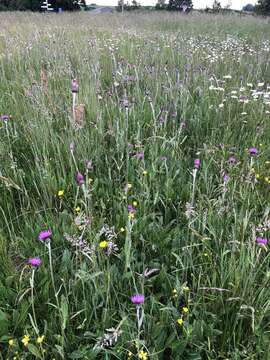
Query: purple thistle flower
[
  {"x": 36, "y": 262},
  {"x": 131, "y": 209},
  {"x": 232, "y": 160},
  {"x": 197, "y": 163},
  {"x": 261, "y": 241},
  {"x": 4, "y": 117},
  {"x": 163, "y": 158},
  {"x": 44, "y": 235},
  {"x": 139, "y": 156},
  {"x": 74, "y": 86},
  {"x": 137, "y": 299},
  {"x": 79, "y": 178},
  {"x": 253, "y": 151}
]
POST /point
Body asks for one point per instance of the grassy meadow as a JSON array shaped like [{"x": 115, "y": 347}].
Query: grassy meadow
[{"x": 134, "y": 159}]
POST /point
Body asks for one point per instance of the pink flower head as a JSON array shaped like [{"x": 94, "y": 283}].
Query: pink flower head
[
  {"x": 232, "y": 160},
  {"x": 261, "y": 241},
  {"x": 197, "y": 163},
  {"x": 4, "y": 117},
  {"x": 44, "y": 235},
  {"x": 74, "y": 86},
  {"x": 131, "y": 209},
  {"x": 36, "y": 262},
  {"x": 253, "y": 151},
  {"x": 137, "y": 299},
  {"x": 79, "y": 178},
  {"x": 139, "y": 155},
  {"x": 163, "y": 158}
]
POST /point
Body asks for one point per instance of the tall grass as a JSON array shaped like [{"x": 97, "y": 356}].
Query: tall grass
[{"x": 159, "y": 91}]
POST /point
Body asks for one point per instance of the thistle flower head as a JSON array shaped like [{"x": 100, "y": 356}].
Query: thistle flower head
[
  {"x": 44, "y": 235},
  {"x": 137, "y": 299},
  {"x": 197, "y": 163},
  {"x": 35, "y": 262},
  {"x": 79, "y": 179},
  {"x": 74, "y": 86},
  {"x": 261, "y": 241},
  {"x": 253, "y": 151}
]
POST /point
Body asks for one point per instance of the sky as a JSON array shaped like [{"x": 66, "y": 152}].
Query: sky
[{"x": 197, "y": 4}]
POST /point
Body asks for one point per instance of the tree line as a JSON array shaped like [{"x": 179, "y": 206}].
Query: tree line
[{"x": 35, "y": 5}]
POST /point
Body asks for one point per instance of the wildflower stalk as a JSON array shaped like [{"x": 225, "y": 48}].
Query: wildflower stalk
[
  {"x": 74, "y": 98},
  {"x": 140, "y": 316},
  {"x": 32, "y": 281},
  {"x": 54, "y": 287},
  {"x": 194, "y": 174}
]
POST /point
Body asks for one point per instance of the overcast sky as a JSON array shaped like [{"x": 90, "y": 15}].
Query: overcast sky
[{"x": 198, "y": 4}]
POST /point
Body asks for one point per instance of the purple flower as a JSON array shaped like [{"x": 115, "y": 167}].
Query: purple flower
[
  {"x": 226, "y": 178},
  {"x": 131, "y": 209},
  {"x": 253, "y": 151},
  {"x": 232, "y": 160},
  {"x": 44, "y": 235},
  {"x": 197, "y": 163},
  {"x": 137, "y": 299},
  {"x": 163, "y": 158},
  {"x": 4, "y": 117},
  {"x": 261, "y": 241},
  {"x": 139, "y": 156},
  {"x": 74, "y": 86},
  {"x": 36, "y": 262},
  {"x": 79, "y": 178}
]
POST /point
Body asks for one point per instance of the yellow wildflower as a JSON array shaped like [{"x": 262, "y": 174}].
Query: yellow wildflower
[
  {"x": 90, "y": 180},
  {"x": 131, "y": 215},
  {"x": 257, "y": 176},
  {"x": 130, "y": 354},
  {"x": 11, "y": 342},
  {"x": 145, "y": 173},
  {"x": 135, "y": 203},
  {"x": 40, "y": 339},
  {"x": 77, "y": 209},
  {"x": 129, "y": 186},
  {"x": 103, "y": 244},
  {"x": 61, "y": 193},
  {"x": 122, "y": 229},
  {"x": 185, "y": 310},
  {"x": 180, "y": 321},
  {"x": 186, "y": 288},
  {"x": 266, "y": 179},
  {"x": 143, "y": 355},
  {"x": 25, "y": 340}
]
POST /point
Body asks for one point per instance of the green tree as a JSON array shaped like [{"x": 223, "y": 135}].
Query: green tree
[
  {"x": 161, "y": 5},
  {"x": 69, "y": 5},
  {"x": 4, "y": 5},
  {"x": 263, "y": 7},
  {"x": 22, "y": 5},
  {"x": 179, "y": 5}
]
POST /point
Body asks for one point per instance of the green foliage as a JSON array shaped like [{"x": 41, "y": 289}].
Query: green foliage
[
  {"x": 263, "y": 7},
  {"x": 122, "y": 5},
  {"x": 179, "y": 5}
]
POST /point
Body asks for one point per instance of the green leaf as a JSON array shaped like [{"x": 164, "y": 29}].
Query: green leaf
[
  {"x": 35, "y": 351},
  {"x": 3, "y": 323},
  {"x": 64, "y": 311}
]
